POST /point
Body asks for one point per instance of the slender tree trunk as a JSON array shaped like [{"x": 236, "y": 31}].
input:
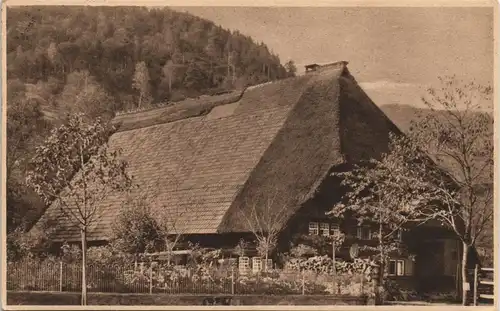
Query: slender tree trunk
[
  {"x": 334, "y": 268},
  {"x": 382, "y": 271},
  {"x": 465, "y": 278},
  {"x": 234, "y": 73},
  {"x": 265, "y": 263},
  {"x": 84, "y": 266},
  {"x": 169, "y": 84},
  {"x": 228, "y": 65}
]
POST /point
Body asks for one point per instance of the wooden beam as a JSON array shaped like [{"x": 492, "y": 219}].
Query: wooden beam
[
  {"x": 487, "y": 269},
  {"x": 487, "y": 296}
]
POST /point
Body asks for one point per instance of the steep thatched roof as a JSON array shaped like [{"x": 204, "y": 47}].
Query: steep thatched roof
[{"x": 205, "y": 160}]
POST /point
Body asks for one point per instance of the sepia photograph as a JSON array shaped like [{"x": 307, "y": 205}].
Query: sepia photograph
[{"x": 248, "y": 156}]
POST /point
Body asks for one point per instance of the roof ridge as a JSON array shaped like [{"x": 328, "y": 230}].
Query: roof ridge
[
  {"x": 181, "y": 111},
  {"x": 174, "y": 104},
  {"x": 177, "y": 103}
]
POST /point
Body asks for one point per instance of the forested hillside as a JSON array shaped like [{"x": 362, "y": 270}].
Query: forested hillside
[{"x": 100, "y": 60}]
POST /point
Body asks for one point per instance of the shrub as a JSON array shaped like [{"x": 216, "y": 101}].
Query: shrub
[{"x": 393, "y": 292}]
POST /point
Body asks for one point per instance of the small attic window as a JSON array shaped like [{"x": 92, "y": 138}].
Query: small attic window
[
  {"x": 312, "y": 67},
  {"x": 222, "y": 111}
]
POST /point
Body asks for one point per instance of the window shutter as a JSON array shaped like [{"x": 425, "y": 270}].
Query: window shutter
[
  {"x": 409, "y": 266},
  {"x": 392, "y": 267},
  {"x": 400, "y": 264}
]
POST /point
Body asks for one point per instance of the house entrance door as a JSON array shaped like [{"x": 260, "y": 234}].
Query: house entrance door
[{"x": 429, "y": 263}]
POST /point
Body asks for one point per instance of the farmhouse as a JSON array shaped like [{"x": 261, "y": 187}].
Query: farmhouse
[{"x": 206, "y": 160}]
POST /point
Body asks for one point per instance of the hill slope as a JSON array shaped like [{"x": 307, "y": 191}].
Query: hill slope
[{"x": 183, "y": 55}]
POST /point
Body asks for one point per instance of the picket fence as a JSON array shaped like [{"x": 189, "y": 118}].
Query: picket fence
[
  {"x": 62, "y": 277},
  {"x": 483, "y": 285}
]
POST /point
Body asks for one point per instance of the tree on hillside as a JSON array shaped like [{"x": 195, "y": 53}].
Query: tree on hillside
[
  {"x": 459, "y": 138},
  {"x": 75, "y": 171},
  {"x": 290, "y": 68},
  {"x": 385, "y": 193},
  {"x": 141, "y": 83},
  {"x": 196, "y": 77},
  {"x": 82, "y": 94},
  {"x": 24, "y": 129},
  {"x": 169, "y": 74}
]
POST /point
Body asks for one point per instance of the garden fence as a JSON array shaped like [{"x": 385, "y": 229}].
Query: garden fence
[
  {"x": 483, "y": 286},
  {"x": 64, "y": 277}
]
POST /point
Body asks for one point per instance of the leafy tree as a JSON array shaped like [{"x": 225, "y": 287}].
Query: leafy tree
[
  {"x": 25, "y": 120},
  {"x": 386, "y": 193},
  {"x": 52, "y": 51},
  {"x": 141, "y": 82},
  {"x": 459, "y": 138},
  {"x": 290, "y": 68},
  {"x": 75, "y": 171},
  {"x": 140, "y": 229},
  {"x": 25, "y": 128},
  {"x": 196, "y": 77},
  {"x": 136, "y": 230},
  {"x": 265, "y": 222},
  {"x": 82, "y": 94},
  {"x": 169, "y": 74},
  {"x": 337, "y": 239}
]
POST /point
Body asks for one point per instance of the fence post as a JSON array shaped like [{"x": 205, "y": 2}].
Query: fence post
[
  {"x": 475, "y": 284},
  {"x": 232, "y": 280},
  {"x": 150, "y": 279},
  {"x": 362, "y": 283},
  {"x": 60, "y": 276},
  {"x": 303, "y": 284}
]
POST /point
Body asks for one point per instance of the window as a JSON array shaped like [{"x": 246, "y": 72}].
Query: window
[
  {"x": 364, "y": 233},
  {"x": 335, "y": 229},
  {"x": 313, "y": 228},
  {"x": 324, "y": 229},
  {"x": 397, "y": 267},
  {"x": 256, "y": 264},
  {"x": 244, "y": 264}
]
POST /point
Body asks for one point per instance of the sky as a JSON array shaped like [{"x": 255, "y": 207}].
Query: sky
[{"x": 396, "y": 53}]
